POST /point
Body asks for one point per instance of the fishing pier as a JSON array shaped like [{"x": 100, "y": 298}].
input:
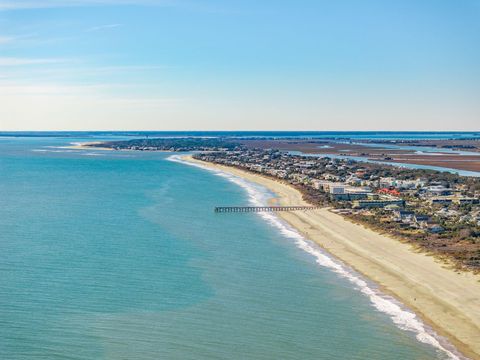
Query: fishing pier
[{"x": 245, "y": 209}]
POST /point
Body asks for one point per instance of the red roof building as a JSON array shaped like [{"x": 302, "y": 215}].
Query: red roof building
[{"x": 387, "y": 191}]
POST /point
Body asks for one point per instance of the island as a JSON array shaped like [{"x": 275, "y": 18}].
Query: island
[
  {"x": 414, "y": 232},
  {"x": 437, "y": 212}
]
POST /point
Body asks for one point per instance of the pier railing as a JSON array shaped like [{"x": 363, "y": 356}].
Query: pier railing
[{"x": 243, "y": 209}]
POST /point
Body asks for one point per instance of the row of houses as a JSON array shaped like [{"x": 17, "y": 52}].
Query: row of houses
[
  {"x": 353, "y": 187},
  {"x": 417, "y": 221},
  {"x": 447, "y": 200}
]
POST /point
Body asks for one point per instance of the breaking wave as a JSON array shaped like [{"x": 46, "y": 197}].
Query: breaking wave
[{"x": 401, "y": 316}]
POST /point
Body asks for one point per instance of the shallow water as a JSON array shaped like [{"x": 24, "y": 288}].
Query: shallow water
[
  {"x": 396, "y": 164},
  {"x": 118, "y": 255}
]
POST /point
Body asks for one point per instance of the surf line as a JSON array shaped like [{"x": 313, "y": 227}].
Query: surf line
[{"x": 404, "y": 318}]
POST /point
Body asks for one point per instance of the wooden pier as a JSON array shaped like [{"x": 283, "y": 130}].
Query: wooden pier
[{"x": 243, "y": 209}]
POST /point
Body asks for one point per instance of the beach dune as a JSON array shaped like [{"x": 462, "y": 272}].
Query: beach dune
[{"x": 447, "y": 300}]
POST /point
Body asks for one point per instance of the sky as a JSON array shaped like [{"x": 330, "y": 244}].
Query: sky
[{"x": 240, "y": 65}]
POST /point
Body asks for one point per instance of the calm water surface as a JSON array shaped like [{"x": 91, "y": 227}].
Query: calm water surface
[{"x": 118, "y": 255}]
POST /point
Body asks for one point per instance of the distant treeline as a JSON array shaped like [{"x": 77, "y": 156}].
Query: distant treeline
[{"x": 172, "y": 144}]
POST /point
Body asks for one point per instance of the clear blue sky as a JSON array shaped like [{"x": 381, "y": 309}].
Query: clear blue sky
[{"x": 226, "y": 65}]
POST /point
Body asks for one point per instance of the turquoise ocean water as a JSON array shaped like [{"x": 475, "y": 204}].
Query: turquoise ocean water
[{"x": 118, "y": 255}]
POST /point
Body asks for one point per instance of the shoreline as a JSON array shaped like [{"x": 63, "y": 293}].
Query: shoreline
[
  {"x": 406, "y": 155},
  {"x": 86, "y": 146},
  {"x": 447, "y": 301}
]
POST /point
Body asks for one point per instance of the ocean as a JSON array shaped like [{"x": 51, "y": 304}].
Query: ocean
[
  {"x": 351, "y": 135},
  {"x": 119, "y": 255}
]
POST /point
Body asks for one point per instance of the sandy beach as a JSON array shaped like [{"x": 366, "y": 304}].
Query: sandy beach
[
  {"x": 86, "y": 146},
  {"x": 446, "y": 300}
]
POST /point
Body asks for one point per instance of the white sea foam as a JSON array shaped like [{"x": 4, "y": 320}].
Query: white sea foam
[
  {"x": 52, "y": 151},
  {"x": 67, "y": 149},
  {"x": 401, "y": 316},
  {"x": 90, "y": 154}
]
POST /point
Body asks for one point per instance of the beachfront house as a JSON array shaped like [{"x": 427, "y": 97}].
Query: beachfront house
[
  {"x": 435, "y": 229},
  {"x": 403, "y": 216},
  {"x": 365, "y": 204}
]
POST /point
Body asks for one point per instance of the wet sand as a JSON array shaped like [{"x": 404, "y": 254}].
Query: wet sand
[{"x": 446, "y": 300}]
